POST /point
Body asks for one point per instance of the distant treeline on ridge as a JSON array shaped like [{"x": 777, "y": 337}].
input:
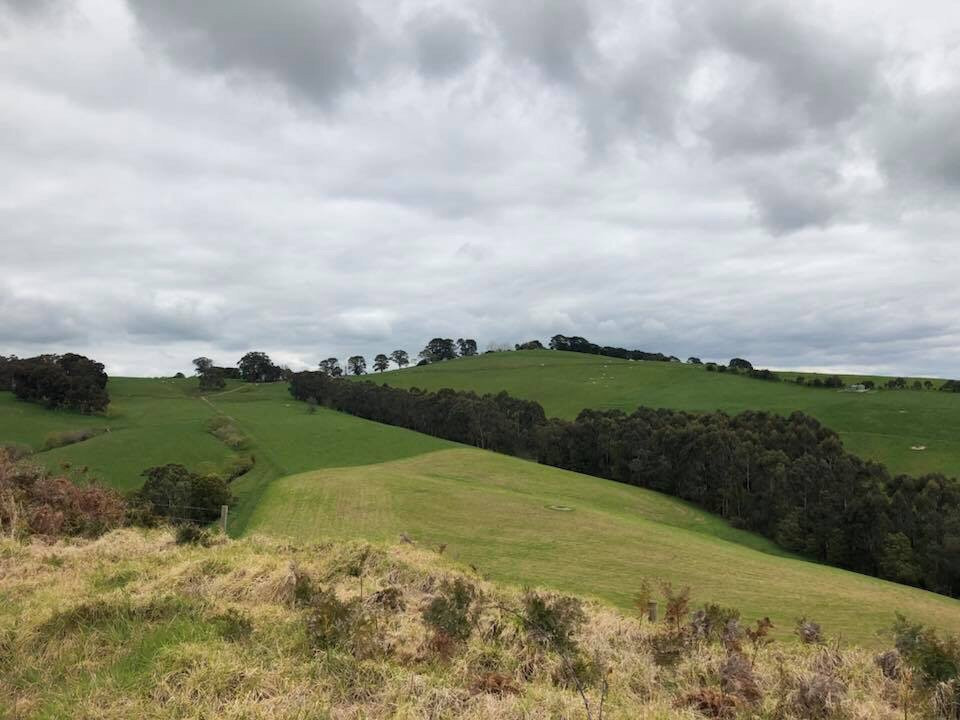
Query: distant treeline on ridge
[{"x": 787, "y": 478}]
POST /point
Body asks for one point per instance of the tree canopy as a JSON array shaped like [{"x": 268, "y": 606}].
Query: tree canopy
[
  {"x": 439, "y": 349},
  {"x": 256, "y": 367},
  {"x": 356, "y": 365},
  {"x": 68, "y": 381},
  {"x": 331, "y": 367}
]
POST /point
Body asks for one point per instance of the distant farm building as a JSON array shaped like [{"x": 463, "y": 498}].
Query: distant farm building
[{"x": 857, "y": 387}]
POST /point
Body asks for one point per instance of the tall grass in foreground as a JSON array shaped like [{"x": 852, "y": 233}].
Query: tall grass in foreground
[{"x": 134, "y": 625}]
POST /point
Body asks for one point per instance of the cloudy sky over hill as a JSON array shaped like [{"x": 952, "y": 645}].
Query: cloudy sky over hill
[{"x": 777, "y": 180}]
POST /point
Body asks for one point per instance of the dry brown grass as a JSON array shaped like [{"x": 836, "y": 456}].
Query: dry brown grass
[{"x": 130, "y": 625}]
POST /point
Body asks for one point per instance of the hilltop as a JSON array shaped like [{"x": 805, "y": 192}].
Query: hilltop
[{"x": 882, "y": 425}]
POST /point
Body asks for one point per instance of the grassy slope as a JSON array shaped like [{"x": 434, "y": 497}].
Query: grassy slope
[
  {"x": 494, "y": 512},
  {"x": 158, "y": 421},
  {"x": 133, "y": 626},
  {"x": 881, "y": 425},
  {"x": 288, "y": 440},
  {"x": 151, "y": 422},
  {"x": 489, "y": 508}
]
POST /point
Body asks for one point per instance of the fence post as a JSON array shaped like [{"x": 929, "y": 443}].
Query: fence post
[
  {"x": 223, "y": 518},
  {"x": 652, "y": 611}
]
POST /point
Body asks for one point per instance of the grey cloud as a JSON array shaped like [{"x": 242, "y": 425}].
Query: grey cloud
[
  {"x": 919, "y": 145},
  {"x": 555, "y": 36},
  {"x": 310, "y": 47},
  {"x": 29, "y": 321},
  {"x": 795, "y": 200},
  {"x": 444, "y": 43},
  {"x": 828, "y": 73},
  {"x": 29, "y": 8},
  {"x": 685, "y": 182}
]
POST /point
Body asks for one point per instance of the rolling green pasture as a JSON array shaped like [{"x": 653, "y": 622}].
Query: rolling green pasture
[
  {"x": 158, "y": 421},
  {"x": 524, "y": 523},
  {"x": 326, "y": 474},
  {"x": 882, "y": 425}
]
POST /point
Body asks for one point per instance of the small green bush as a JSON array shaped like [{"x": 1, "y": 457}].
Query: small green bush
[
  {"x": 936, "y": 659},
  {"x": 453, "y": 612},
  {"x": 553, "y": 621},
  {"x": 333, "y": 624}
]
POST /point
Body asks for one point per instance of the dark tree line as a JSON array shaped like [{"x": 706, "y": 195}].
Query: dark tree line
[
  {"x": 582, "y": 345},
  {"x": 493, "y": 422},
  {"x": 69, "y": 381},
  {"x": 787, "y": 478}
]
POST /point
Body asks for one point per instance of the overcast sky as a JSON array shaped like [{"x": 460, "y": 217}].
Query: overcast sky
[{"x": 776, "y": 180}]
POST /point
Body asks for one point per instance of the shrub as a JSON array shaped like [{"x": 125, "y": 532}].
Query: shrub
[
  {"x": 34, "y": 502},
  {"x": 889, "y": 664},
  {"x": 553, "y": 621},
  {"x": 946, "y": 700},
  {"x": 172, "y": 491},
  {"x": 738, "y": 679},
  {"x": 710, "y": 623},
  {"x": 453, "y": 612},
  {"x": 759, "y": 636},
  {"x": 935, "y": 659},
  {"x": 678, "y": 605},
  {"x": 190, "y": 534},
  {"x": 69, "y": 437},
  {"x": 227, "y": 432},
  {"x": 333, "y": 624}
]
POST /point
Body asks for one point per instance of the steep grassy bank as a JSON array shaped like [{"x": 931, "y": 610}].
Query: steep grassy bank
[{"x": 132, "y": 625}]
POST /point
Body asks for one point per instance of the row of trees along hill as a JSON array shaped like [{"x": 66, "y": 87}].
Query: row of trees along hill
[
  {"x": 437, "y": 350},
  {"x": 582, "y": 345},
  {"x": 787, "y": 478},
  {"x": 69, "y": 381}
]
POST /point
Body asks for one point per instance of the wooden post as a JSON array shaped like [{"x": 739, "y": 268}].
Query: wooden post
[
  {"x": 652, "y": 611},
  {"x": 223, "y": 518}
]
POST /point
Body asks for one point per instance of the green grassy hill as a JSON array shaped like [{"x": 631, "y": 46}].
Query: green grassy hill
[
  {"x": 524, "y": 523},
  {"x": 882, "y": 425},
  {"x": 326, "y": 475}
]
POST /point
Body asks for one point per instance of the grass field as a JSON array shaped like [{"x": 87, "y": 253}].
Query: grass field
[
  {"x": 524, "y": 523},
  {"x": 881, "y": 425},
  {"x": 326, "y": 475}
]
